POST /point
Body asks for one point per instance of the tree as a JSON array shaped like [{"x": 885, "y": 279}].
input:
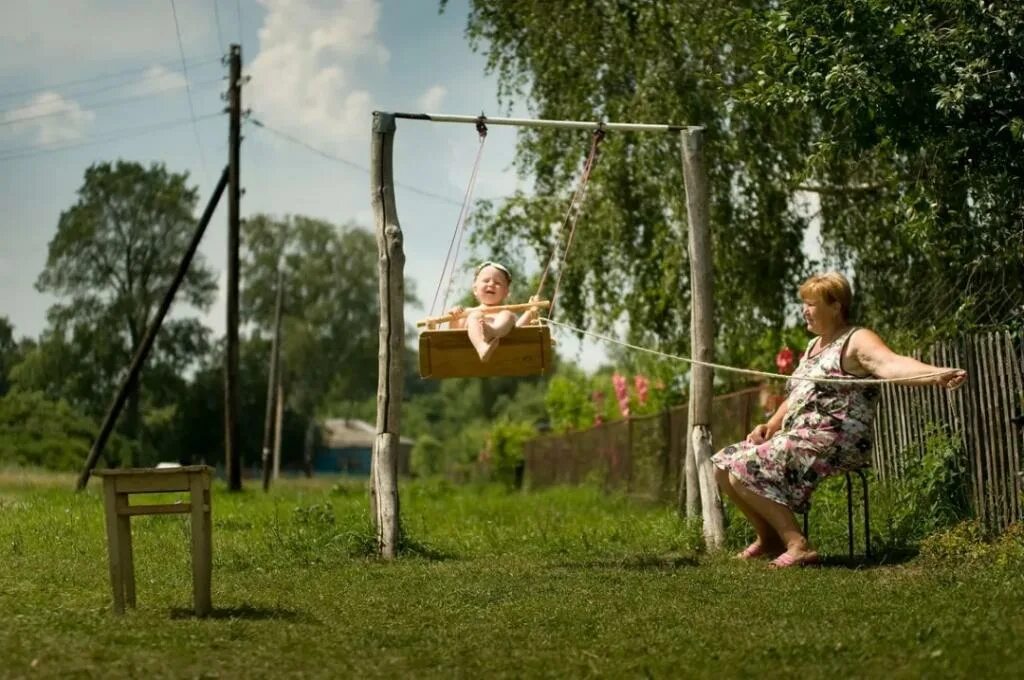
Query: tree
[
  {"x": 329, "y": 335},
  {"x": 113, "y": 257},
  {"x": 916, "y": 120},
  {"x": 651, "y": 62},
  {"x": 8, "y": 353}
]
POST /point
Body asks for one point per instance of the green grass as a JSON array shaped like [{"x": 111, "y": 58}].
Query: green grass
[{"x": 561, "y": 583}]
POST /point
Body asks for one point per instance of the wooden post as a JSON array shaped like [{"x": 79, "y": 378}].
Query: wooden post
[
  {"x": 272, "y": 380},
  {"x": 232, "y": 462},
  {"x": 278, "y": 420},
  {"x": 391, "y": 265},
  {"x": 699, "y": 445}
]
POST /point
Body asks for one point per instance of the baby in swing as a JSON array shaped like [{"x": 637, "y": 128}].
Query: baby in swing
[{"x": 485, "y": 328}]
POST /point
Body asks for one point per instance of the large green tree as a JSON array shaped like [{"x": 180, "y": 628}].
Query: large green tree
[
  {"x": 114, "y": 256},
  {"x": 331, "y": 308},
  {"x": 916, "y": 121},
  {"x": 648, "y": 62}
]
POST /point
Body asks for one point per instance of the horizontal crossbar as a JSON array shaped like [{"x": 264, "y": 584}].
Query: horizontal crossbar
[{"x": 538, "y": 122}]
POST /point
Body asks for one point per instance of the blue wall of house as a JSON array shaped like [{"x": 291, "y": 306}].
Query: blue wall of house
[{"x": 353, "y": 460}]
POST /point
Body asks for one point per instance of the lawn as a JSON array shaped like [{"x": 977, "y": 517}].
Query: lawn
[{"x": 560, "y": 583}]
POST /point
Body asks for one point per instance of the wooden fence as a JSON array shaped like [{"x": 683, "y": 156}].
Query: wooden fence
[
  {"x": 984, "y": 416},
  {"x": 643, "y": 456}
]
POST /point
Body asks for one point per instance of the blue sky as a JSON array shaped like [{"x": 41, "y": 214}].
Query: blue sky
[{"x": 317, "y": 67}]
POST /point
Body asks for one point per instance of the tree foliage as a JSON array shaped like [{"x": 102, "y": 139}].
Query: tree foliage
[
  {"x": 916, "y": 125},
  {"x": 647, "y": 62},
  {"x": 331, "y": 308},
  {"x": 114, "y": 256},
  {"x": 902, "y": 121}
]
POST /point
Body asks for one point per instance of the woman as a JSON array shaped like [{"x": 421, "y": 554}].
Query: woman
[{"x": 821, "y": 429}]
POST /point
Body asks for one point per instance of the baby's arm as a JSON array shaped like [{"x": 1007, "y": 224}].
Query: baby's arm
[
  {"x": 458, "y": 317},
  {"x": 530, "y": 316}
]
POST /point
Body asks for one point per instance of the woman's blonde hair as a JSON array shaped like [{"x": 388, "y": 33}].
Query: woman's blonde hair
[{"x": 829, "y": 287}]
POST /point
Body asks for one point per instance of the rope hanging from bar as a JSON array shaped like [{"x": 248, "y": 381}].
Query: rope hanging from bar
[
  {"x": 572, "y": 216},
  {"x": 460, "y": 224}
]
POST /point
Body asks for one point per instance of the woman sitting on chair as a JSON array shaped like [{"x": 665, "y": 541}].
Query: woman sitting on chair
[{"x": 821, "y": 429}]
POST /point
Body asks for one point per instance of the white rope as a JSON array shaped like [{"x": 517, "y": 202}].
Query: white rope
[{"x": 745, "y": 371}]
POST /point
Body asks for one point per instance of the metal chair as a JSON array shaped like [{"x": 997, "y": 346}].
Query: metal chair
[{"x": 861, "y": 472}]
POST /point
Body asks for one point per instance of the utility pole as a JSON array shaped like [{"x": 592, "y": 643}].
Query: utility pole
[
  {"x": 231, "y": 399},
  {"x": 273, "y": 382}
]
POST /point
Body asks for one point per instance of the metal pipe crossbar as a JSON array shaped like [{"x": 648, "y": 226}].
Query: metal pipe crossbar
[{"x": 536, "y": 122}]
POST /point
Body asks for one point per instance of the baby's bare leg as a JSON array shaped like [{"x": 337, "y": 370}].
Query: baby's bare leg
[
  {"x": 477, "y": 329},
  {"x": 498, "y": 325}
]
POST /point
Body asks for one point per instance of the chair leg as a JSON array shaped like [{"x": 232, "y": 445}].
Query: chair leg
[
  {"x": 113, "y": 545},
  {"x": 867, "y": 514},
  {"x": 849, "y": 512},
  {"x": 807, "y": 533}
]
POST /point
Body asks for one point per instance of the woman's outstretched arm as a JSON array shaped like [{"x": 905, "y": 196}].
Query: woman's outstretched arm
[{"x": 868, "y": 353}]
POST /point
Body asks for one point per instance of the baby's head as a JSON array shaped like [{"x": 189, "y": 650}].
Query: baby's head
[{"x": 491, "y": 283}]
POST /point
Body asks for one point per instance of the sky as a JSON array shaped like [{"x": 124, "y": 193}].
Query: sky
[{"x": 86, "y": 81}]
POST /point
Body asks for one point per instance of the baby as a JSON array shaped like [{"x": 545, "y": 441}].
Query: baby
[{"x": 485, "y": 329}]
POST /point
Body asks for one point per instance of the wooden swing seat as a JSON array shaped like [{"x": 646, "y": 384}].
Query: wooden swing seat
[{"x": 448, "y": 353}]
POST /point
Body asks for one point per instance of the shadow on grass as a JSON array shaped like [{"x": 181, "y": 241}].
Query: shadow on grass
[
  {"x": 246, "y": 612},
  {"x": 888, "y": 558},
  {"x": 642, "y": 562},
  {"x": 410, "y": 548}
]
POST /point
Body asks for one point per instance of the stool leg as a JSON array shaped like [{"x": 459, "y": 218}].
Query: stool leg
[
  {"x": 867, "y": 514},
  {"x": 124, "y": 535},
  {"x": 849, "y": 512},
  {"x": 113, "y": 544},
  {"x": 202, "y": 563}
]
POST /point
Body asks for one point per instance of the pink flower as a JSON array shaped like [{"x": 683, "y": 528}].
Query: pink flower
[
  {"x": 621, "y": 393},
  {"x": 784, "y": 360},
  {"x": 640, "y": 383}
]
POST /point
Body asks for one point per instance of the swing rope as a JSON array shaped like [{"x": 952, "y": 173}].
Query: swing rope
[
  {"x": 733, "y": 369},
  {"x": 460, "y": 224},
  {"x": 572, "y": 217}
]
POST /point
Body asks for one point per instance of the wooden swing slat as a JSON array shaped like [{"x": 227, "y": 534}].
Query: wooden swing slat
[{"x": 448, "y": 353}]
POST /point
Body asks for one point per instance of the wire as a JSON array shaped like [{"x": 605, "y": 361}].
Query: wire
[
  {"x": 220, "y": 34},
  {"x": 188, "y": 89},
  {"x": 238, "y": 12},
  {"x": 745, "y": 371},
  {"x": 104, "y": 104},
  {"x": 116, "y": 135},
  {"x": 351, "y": 164},
  {"x": 109, "y": 76}
]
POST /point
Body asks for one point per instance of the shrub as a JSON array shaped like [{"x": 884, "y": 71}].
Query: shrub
[{"x": 38, "y": 432}]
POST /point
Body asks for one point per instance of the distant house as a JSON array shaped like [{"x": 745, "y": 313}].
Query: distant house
[{"x": 346, "y": 446}]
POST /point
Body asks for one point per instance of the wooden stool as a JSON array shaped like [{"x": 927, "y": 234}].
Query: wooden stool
[{"x": 118, "y": 485}]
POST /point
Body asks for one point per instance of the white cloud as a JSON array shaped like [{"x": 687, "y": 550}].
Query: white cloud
[
  {"x": 75, "y": 32},
  {"x": 155, "y": 79},
  {"x": 430, "y": 101},
  {"x": 49, "y": 118},
  {"x": 303, "y": 76}
]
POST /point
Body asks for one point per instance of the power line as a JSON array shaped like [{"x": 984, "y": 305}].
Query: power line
[
  {"x": 188, "y": 89},
  {"x": 348, "y": 163},
  {"x": 105, "y": 104},
  {"x": 113, "y": 136},
  {"x": 109, "y": 76},
  {"x": 220, "y": 34},
  {"x": 238, "y": 13}
]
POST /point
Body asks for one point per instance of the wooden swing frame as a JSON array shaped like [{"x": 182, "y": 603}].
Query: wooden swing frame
[{"x": 698, "y": 491}]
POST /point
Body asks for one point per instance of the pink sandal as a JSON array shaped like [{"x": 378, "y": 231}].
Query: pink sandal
[
  {"x": 786, "y": 560},
  {"x": 752, "y": 552}
]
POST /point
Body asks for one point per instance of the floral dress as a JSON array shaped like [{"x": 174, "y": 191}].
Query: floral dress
[{"x": 827, "y": 429}]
